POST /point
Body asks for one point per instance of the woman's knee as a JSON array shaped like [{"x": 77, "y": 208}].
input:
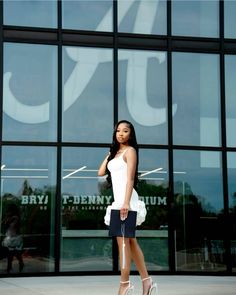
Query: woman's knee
[
  {"x": 120, "y": 241},
  {"x": 133, "y": 243}
]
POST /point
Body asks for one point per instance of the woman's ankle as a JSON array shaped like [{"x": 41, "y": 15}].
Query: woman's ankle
[
  {"x": 123, "y": 286},
  {"x": 147, "y": 283}
]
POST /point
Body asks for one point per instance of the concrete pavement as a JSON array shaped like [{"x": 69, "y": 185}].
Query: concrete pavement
[{"x": 108, "y": 285}]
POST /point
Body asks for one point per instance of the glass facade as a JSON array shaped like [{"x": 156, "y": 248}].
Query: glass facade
[
  {"x": 37, "y": 13},
  {"x": 196, "y": 92},
  {"x": 198, "y": 197},
  {"x": 230, "y": 88},
  {"x": 29, "y": 92},
  {"x": 231, "y": 158},
  {"x": 142, "y": 16},
  {"x": 230, "y": 22},
  {"x": 69, "y": 71},
  {"x": 195, "y": 18},
  {"x": 87, "y": 100},
  {"x": 28, "y": 192},
  {"x": 142, "y": 90},
  {"x": 87, "y": 15}
]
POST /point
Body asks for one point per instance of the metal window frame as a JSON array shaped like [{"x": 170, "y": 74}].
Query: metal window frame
[{"x": 116, "y": 40}]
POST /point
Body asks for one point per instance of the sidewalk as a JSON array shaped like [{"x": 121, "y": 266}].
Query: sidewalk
[{"x": 108, "y": 285}]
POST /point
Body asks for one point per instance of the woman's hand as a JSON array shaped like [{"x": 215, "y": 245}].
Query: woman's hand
[
  {"x": 103, "y": 166},
  {"x": 124, "y": 210}
]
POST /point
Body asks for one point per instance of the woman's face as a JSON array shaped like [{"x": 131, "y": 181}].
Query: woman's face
[{"x": 123, "y": 133}]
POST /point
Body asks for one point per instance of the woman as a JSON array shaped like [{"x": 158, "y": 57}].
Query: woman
[
  {"x": 121, "y": 165},
  {"x": 13, "y": 240}
]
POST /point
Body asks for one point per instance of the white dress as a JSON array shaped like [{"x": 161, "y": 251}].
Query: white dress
[{"x": 118, "y": 168}]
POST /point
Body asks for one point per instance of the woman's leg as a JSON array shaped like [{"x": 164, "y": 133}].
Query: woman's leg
[
  {"x": 20, "y": 259},
  {"x": 125, "y": 270},
  {"x": 9, "y": 260},
  {"x": 138, "y": 258}
]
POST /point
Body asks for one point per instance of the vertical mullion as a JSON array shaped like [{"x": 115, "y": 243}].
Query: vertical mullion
[
  {"x": 59, "y": 144},
  {"x": 171, "y": 233},
  {"x": 223, "y": 138},
  {"x": 115, "y": 107},
  {"x": 115, "y": 59}
]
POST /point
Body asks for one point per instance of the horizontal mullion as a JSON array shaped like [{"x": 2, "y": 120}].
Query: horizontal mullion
[
  {"x": 30, "y": 36},
  {"x": 107, "y": 145},
  {"x": 87, "y": 40},
  {"x": 28, "y": 143},
  {"x": 124, "y": 40},
  {"x": 61, "y": 144},
  {"x": 198, "y": 148}
]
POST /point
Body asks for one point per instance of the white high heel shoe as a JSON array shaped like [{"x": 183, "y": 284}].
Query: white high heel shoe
[
  {"x": 130, "y": 288},
  {"x": 153, "y": 288}
]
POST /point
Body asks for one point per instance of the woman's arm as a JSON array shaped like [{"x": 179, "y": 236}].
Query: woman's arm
[
  {"x": 131, "y": 159},
  {"x": 103, "y": 167}
]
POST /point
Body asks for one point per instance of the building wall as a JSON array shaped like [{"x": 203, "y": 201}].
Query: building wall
[{"x": 70, "y": 70}]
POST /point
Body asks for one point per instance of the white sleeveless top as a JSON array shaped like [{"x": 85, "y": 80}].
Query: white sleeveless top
[{"x": 118, "y": 168}]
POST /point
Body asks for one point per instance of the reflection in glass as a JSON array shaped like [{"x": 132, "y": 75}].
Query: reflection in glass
[
  {"x": 143, "y": 93},
  {"x": 152, "y": 189},
  {"x": 85, "y": 198},
  {"x": 87, "y": 15},
  {"x": 87, "y": 94},
  {"x": 198, "y": 213},
  {"x": 37, "y": 13},
  {"x": 28, "y": 188},
  {"x": 142, "y": 17},
  {"x": 231, "y": 160},
  {"x": 229, "y": 18},
  {"x": 195, "y": 18},
  {"x": 30, "y": 92},
  {"x": 85, "y": 244},
  {"x": 230, "y": 90},
  {"x": 196, "y": 92}
]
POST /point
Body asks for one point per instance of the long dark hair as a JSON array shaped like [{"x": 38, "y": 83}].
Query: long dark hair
[{"x": 115, "y": 147}]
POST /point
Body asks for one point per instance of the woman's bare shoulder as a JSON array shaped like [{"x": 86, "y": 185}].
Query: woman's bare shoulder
[{"x": 130, "y": 151}]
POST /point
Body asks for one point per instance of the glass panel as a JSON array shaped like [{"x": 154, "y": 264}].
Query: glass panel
[
  {"x": 84, "y": 201},
  {"x": 37, "y": 13},
  {"x": 230, "y": 90},
  {"x": 196, "y": 97},
  {"x": 28, "y": 188},
  {"x": 143, "y": 93},
  {"x": 231, "y": 159},
  {"x": 88, "y": 94},
  {"x": 229, "y": 18},
  {"x": 195, "y": 18},
  {"x": 142, "y": 17},
  {"x": 198, "y": 213},
  {"x": 87, "y": 15},
  {"x": 85, "y": 243},
  {"x": 30, "y": 92},
  {"x": 153, "y": 189}
]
